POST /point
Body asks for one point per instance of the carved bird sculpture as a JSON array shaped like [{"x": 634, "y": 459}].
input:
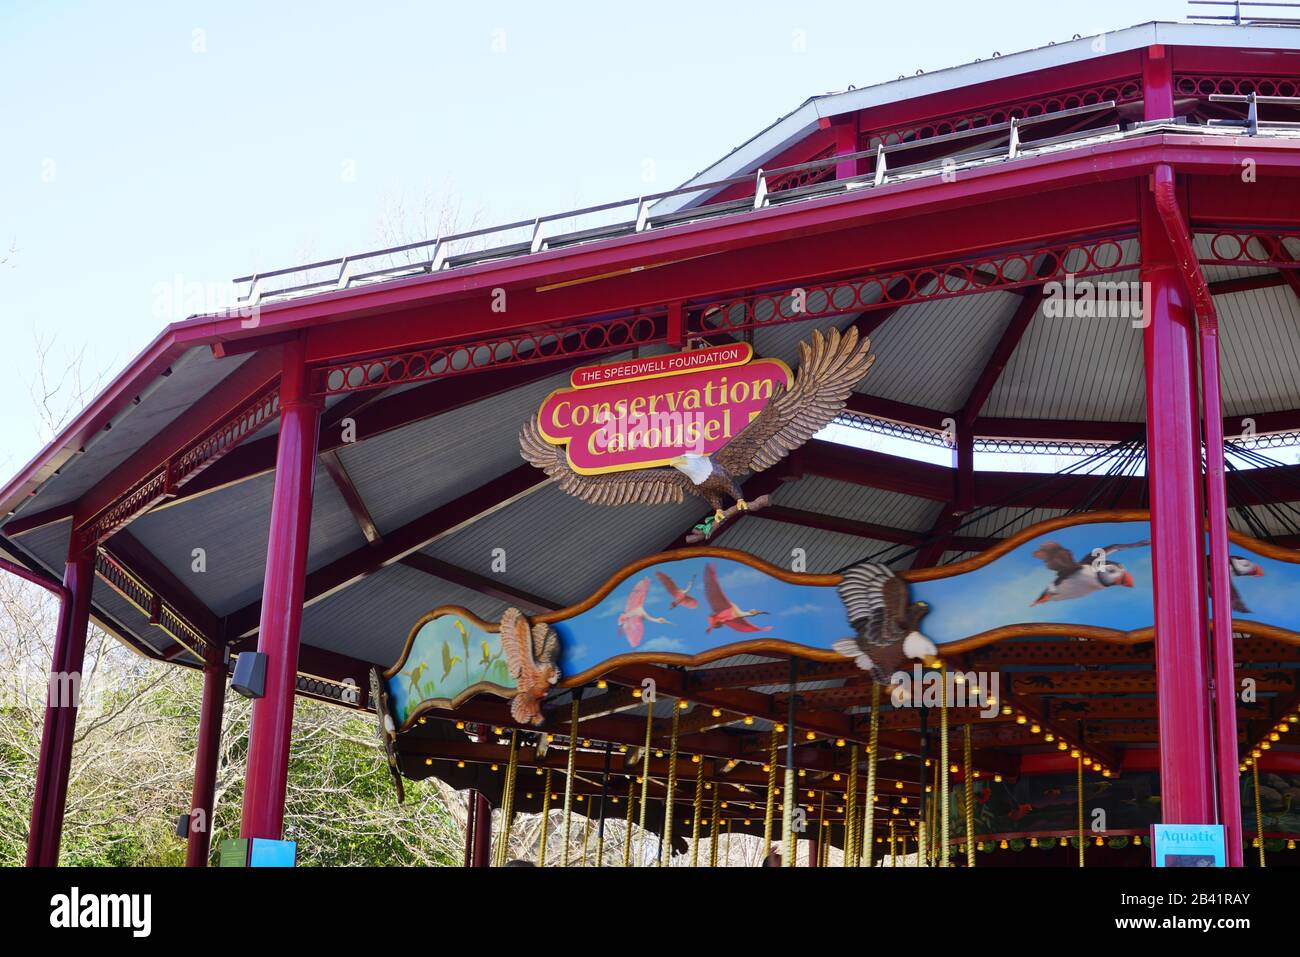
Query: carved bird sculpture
[
  {"x": 886, "y": 623},
  {"x": 829, "y": 368},
  {"x": 533, "y": 656}
]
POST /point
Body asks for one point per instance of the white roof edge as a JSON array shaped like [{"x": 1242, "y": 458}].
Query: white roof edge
[{"x": 797, "y": 124}]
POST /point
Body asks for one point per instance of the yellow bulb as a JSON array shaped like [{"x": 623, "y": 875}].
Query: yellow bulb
[
  {"x": 538, "y": 772},
  {"x": 749, "y": 719},
  {"x": 997, "y": 778},
  {"x": 903, "y": 799},
  {"x": 779, "y": 727},
  {"x": 1275, "y": 736},
  {"x": 460, "y": 764},
  {"x": 1035, "y": 729},
  {"x": 993, "y": 700},
  {"x": 1087, "y": 761},
  {"x": 839, "y": 742},
  {"x": 1290, "y": 845},
  {"x": 1006, "y": 710},
  {"x": 1062, "y": 746},
  {"x": 622, "y": 749},
  {"x": 929, "y": 788},
  {"x": 659, "y": 752},
  {"x": 811, "y": 793},
  {"x": 1099, "y": 842},
  {"x": 1255, "y": 753},
  {"x": 803, "y": 772},
  {"x": 975, "y": 775},
  {"x": 422, "y": 720},
  {"x": 952, "y": 769},
  {"x": 1105, "y": 772},
  {"x": 683, "y": 704},
  {"x": 1065, "y": 842},
  {"x": 460, "y": 725},
  {"x": 695, "y": 759},
  {"x": 895, "y": 811},
  {"x": 529, "y": 795},
  {"x": 498, "y": 730},
  {"x": 1074, "y": 752},
  {"x": 717, "y": 712},
  {"x": 1137, "y": 840},
  {"x": 1049, "y": 737},
  {"x": 1021, "y": 719},
  {"x": 586, "y": 743},
  {"x": 602, "y": 684},
  {"x": 550, "y": 739},
  {"x": 746, "y": 822},
  {"x": 1003, "y": 844},
  {"x": 810, "y": 735},
  {"x": 428, "y": 762},
  {"x": 636, "y": 692},
  {"x": 554, "y": 796},
  {"x": 1267, "y": 746},
  {"x": 835, "y": 776},
  {"x": 1033, "y": 842},
  {"x": 898, "y": 755},
  {"x": 898, "y": 785},
  {"x": 958, "y": 678},
  {"x": 767, "y": 768},
  {"x": 496, "y": 767},
  {"x": 723, "y": 804}
]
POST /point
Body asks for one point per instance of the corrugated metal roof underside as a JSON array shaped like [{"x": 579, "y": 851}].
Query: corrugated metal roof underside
[
  {"x": 1260, "y": 350},
  {"x": 824, "y": 496},
  {"x": 193, "y": 374},
  {"x": 406, "y": 473},
  {"x": 1073, "y": 368},
  {"x": 931, "y": 354},
  {"x": 823, "y": 552},
  {"x": 562, "y": 548},
  {"x": 372, "y": 619},
  {"x": 232, "y": 526}
]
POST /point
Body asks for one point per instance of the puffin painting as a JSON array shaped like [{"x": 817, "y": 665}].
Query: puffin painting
[
  {"x": 1074, "y": 578},
  {"x": 886, "y": 623},
  {"x": 1241, "y": 567}
]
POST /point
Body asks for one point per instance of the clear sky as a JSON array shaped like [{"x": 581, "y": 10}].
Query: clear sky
[{"x": 142, "y": 144}]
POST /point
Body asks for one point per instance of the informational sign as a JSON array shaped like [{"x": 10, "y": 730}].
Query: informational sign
[
  {"x": 1188, "y": 845},
  {"x": 645, "y": 412}
]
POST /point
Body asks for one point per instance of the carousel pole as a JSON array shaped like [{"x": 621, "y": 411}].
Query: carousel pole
[
  {"x": 666, "y": 834},
  {"x": 713, "y": 827},
  {"x": 604, "y": 797},
  {"x": 508, "y": 800},
  {"x": 695, "y": 822},
  {"x": 921, "y": 838},
  {"x": 787, "y": 802},
  {"x": 893, "y": 857},
  {"x": 850, "y": 809},
  {"x": 1079, "y": 779},
  {"x": 1259, "y": 813},
  {"x": 945, "y": 773},
  {"x": 627, "y": 833},
  {"x": 546, "y": 819},
  {"x": 568, "y": 779},
  {"x": 815, "y": 853},
  {"x": 771, "y": 793},
  {"x": 645, "y": 762},
  {"x": 869, "y": 811},
  {"x": 968, "y": 774}
]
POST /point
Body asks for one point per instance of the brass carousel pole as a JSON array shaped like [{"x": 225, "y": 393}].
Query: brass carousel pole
[
  {"x": 627, "y": 834},
  {"x": 968, "y": 775},
  {"x": 1079, "y": 766},
  {"x": 568, "y": 779},
  {"x": 645, "y": 763},
  {"x": 604, "y": 798},
  {"x": 713, "y": 828},
  {"x": 546, "y": 819},
  {"x": 1259, "y": 813},
  {"x": 850, "y": 809},
  {"x": 695, "y": 822},
  {"x": 893, "y": 857},
  {"x": 667, "y": 833},
  {"x": 822, "y": 835},
  {"x": 508, "y": 799},
  {"x": 921, "y": 838},
  {"x": 771, "y": 793},
  {"x": 787, "y": 808},
  {"x": 945, "y": 772},
  {"x": 869, "y": 811}
]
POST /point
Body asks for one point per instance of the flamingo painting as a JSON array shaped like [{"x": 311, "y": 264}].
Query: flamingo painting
[
  {"x": 723, "y": 612},
  {"x": 680, "y": 596},
  {"x": 632, "y": 622}
]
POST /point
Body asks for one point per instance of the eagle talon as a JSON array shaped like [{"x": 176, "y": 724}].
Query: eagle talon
[
  {"x": 741, "y": 505},
  {"x": 719, "y": 517}
]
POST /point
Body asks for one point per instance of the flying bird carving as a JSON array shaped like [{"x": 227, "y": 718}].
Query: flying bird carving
[
  {"x": 829, "y": 368},
  {"x": 532, "y": 655},
  {"x": 680, "y": 596},
  {"x": 632, "y": 621},
  {"x": 886, "y": 623},
  {"x": 1074, "y": 578},
  {"x": 725, "y": 613},
  {"x": 1240, "y": 566}
]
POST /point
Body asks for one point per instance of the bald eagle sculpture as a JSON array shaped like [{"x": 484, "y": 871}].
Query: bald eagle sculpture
[{"x": 829, "y": 368}]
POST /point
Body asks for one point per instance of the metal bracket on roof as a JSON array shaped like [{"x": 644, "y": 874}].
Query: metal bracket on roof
[
  {"x": 760, "y": 189},
  {"x": 1252, "y": 114},
  {"x": 345, "y": 273},
  {"x": 439, "y": 256},
  {"x": 538, "y": 241},
  {"x": 642, "y": 214},
  {"x": 1013, "y": 146},
  {"x": 880, "y": 163}
]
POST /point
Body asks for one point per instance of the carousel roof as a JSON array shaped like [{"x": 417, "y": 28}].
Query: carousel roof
[{"x": 412, "y": 514}]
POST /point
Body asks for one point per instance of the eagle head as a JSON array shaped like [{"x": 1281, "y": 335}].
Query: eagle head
[{"x": 695, "y": 467}]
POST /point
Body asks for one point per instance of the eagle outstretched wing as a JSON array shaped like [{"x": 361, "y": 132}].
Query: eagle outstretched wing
[
  {"x": 640, "y": 486},
  {"x": 876, "y": 601},
  {"x": 829, "y": 368}
]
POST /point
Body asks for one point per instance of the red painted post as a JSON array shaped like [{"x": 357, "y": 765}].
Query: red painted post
[
  {"x": 482, "y": 831},
  {"x": 61, "y": 704},
  {"x": 199, "y": 841},
  {"x": 282, "y": 593},
  {"x": 846, "y": 144},
  {"x": 1177, "y": 538}
]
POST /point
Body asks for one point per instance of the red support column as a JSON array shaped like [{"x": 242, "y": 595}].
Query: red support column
[
  {"x": 1177, "y": 536},
  {"x": 846, "y": 144},
  {"x": 63, "y": 696},
  {"x": 482, "y": 831},
  {"x": 282, "y": 593},
  {"x": 203, "y": 796}
]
